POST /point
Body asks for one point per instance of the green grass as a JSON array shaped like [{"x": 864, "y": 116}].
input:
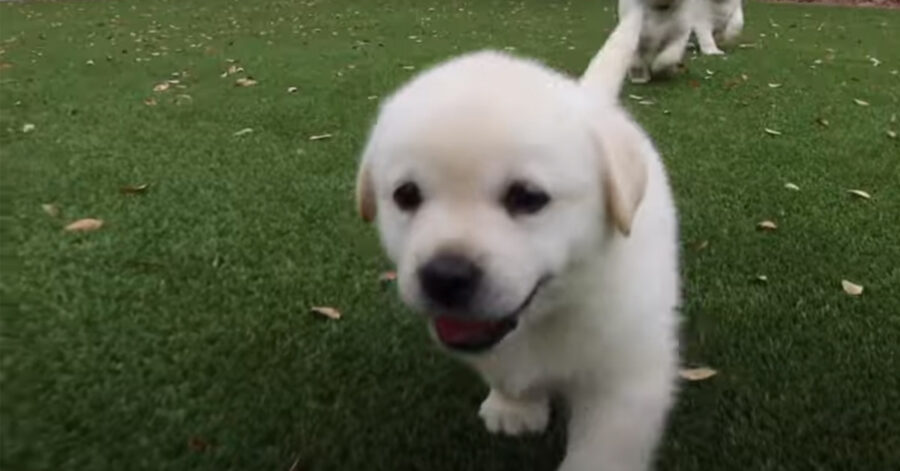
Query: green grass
[{"x": 185, "y": 318}]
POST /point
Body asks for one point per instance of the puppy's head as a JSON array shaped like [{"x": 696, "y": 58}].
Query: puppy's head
[{"x": 488, "y": 179}]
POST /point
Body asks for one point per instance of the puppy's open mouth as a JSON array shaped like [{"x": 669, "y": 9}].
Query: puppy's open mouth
[{"x": 478, "y": 335}]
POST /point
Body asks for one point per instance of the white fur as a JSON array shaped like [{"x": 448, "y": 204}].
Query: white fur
[
  {"x": 716, "y": 21},
  {"x": 602, "y": 333},
  {"x": 664, "y": 36}
]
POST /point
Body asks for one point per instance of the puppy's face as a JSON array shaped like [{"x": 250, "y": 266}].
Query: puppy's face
[{"x": 486, "y": 187}]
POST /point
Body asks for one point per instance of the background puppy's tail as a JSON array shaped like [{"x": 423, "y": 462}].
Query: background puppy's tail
[{"x": 607, "y": 70}]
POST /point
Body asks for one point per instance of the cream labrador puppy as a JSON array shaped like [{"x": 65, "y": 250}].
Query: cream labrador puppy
[
  {"x": 716, "y": 22},
  {"x": 665, "y": 33},
  {"x": 532, "y": 224}
]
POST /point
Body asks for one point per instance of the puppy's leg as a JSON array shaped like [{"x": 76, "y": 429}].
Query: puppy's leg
[
  {"x": 703, "y": 30},
  {"x": 638, "y": 72},
  {"x": 618, "y": 429},
  {"x": 514, "y": 416},
  {"x": 734, "y": 26},
  {"x": 671, "y": 55}
]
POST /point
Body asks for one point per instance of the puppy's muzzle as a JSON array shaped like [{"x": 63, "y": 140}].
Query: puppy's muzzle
[{"x": 450, "y": 281}]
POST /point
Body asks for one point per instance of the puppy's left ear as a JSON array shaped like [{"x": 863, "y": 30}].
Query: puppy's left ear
[
  {"x": 365, "y": 193},
  {"x": 623, "y": 162}
]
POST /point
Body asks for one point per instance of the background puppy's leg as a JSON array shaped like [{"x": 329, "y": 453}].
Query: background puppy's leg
[
  {"x": 734, "y": 26},
  {"x": 671, "y": 56},
  {"x": 617, "y": 430},
  {"x": 638, "y": 72},
  {"x": 703, "y": 30},
  {"x": 514, "y": 416}
]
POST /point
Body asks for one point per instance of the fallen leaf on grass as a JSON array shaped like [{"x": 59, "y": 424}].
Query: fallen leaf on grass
[
  {"x": 860, "y": 193},
  {"x": 51, "y": 209},
  {"x": 320, "y": 137},
  {"x": 761, "y": 279},
  {"x": 198, "y": 444},
  {"x": 891, "y": 134},
  {"x": 245, "y": 82},
  {"x": 791, "y": 186},
  {"x": 292, "y": 90},
  {"x": 387, "y": 276},
  {"x": 860, "y": 102},
  {"x": 27, "y": 127},
  {"x": 89, "y": 62},
  {"x": 183, "y": 98},
  {"x": 697, "y": 374},
  {"x": 851, "y": 288},
  {"x": 85, "y": 225},
  {"x": 693, "y": 83},
  {"x": 134, "y": 189},
  {"x": 772, "y": 132},
  {"x": 326, "y": 311},
  {"x": 635, "y": 97},
  {"x": 646, "y": 102},
  {"x": 766, "y": 225},
  {"x": 702, "y": 245},
  {"x": 150, "y": 101},
  {"x": 875, "y": 62},
  {"x": 774, "y": 85},
  {"x": 243, "y": 131},
  {"x": 234, "y": 69},
  {"x": 823, "y": 122},
  {"x": 161, "y": 87}
]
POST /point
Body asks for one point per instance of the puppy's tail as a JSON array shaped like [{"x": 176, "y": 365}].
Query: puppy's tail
[{"x": 604, "y": 75}]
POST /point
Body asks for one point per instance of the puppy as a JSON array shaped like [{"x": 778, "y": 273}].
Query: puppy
[
  {"x": 716, "y": 21},
  {"x": 532, "y": 225},
  {"x": 664, "y": 36}
]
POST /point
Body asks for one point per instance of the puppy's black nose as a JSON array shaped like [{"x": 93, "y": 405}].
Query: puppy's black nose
[{"x": 450, "y": 280}]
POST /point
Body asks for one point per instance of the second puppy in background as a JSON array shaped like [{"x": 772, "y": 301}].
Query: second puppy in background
[
  {"x": 664, "y": 36},
  {"x": 716, "y": 21}
]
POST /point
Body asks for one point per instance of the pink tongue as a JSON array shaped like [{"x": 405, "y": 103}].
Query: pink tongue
[{"x": 457, "y": 331}]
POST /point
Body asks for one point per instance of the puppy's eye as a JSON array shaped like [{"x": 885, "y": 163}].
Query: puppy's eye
[
  {"x": 522, "y": 198},
  {"x": 408, "y": 197}
]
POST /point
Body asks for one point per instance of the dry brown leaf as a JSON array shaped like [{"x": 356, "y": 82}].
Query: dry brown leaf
[
  {"x": 772, "y": 132},
  {"x": 85, "y": 225},
  {"x": 387, "y": 276},
  {"x": 697, "y": 374},
  {"x": 851, "y": 288},
  {"x": 134, "y": 189},
  {"x": 860, "y": 102},
  {"x": 52, "y": 209},
  {"x": 245, "y": 82},
  {"x": 860, "y": 193},
  {"x": 791, "y": 186},
  {"x": 161, "y": 87},
  {"x": 319, "y": 137},
  {"x": 150, "y": 101},
  {"x": 766, "y": 225},
  {"x": 198, "y": 444},
  {"x": 326, "y": 311}
]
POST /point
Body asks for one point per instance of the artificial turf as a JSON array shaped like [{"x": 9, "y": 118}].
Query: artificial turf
[{"x": 178, "y": 336}]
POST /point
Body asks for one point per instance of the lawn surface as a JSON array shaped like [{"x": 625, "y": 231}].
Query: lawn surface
[{"x": 178, "y": 336}]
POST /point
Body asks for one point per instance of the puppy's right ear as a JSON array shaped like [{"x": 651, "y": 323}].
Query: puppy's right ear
[
  {"x": 624, "y": 167},
  {"x": 365, "y": 193}
]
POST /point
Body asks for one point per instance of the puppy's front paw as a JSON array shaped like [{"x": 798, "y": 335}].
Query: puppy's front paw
[{"x": 502, "y": 414}]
